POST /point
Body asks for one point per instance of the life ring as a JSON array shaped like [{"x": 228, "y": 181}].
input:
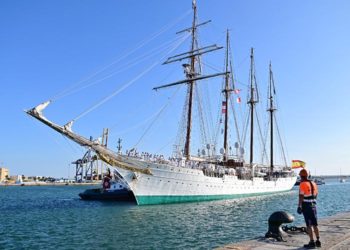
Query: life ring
[{"x": 106, "y": 183}]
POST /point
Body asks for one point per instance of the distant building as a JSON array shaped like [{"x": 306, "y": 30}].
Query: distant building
[
  {"x": 4, "y": 173},
  {"x": 16, "y": 178}
]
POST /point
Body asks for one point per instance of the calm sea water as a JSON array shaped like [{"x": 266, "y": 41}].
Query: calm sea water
[{"x": 55, "y": 218}]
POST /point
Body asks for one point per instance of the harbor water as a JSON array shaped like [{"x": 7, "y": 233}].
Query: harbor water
[{"x": 54, "y": 217}]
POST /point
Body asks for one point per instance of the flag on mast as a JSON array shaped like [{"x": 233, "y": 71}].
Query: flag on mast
[
  {"x": 224, "y": 107},
  {"x": 298, "y": 164}
]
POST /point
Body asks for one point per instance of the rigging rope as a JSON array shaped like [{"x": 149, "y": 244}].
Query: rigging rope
[
  {"x": 137, "y": 125},
  {"x": 232, "y": 101},
  {"x": 132, "y": 63},
  {"x": 267, "y": 132},
  {"x": 245, "y": 126},
  {"x": 157, "y": 116},
  {"x": 209, "y": 118},
  {"x": 280, "y": 140},
  {"x": 180, "y": 135},
  {"x": 63, "y": 93},
  {"x": 135, "y": 110},
  {"x": 201, "y": 116},
  {"x": 167, "y": 144},
  {"x": 218, "y": 124},
  {"x": 74, "y": 146},
  {"x": 235, "y": 119},
  {"x": 264, "y": 152},
  {"x": 209, "y": 122},
  {"x": 128, "y": 83}
]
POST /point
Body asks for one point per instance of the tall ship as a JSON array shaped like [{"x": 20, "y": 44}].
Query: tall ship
[{"x": 204, "y": 176}]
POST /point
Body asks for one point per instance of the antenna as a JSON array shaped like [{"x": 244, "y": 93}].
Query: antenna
[{"x": 119, "y": 147}]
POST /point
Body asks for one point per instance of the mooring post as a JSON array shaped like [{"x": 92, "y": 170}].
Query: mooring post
[{"x": 275, "y": 221}]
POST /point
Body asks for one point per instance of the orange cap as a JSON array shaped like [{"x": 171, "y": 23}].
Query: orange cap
[{"x": 303, "y": 173}]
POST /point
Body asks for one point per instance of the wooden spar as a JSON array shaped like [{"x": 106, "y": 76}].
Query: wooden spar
[
  {"x": 192, "y": 54},
  {"x": 189, "y": 29},
  {"x": 227, "y": 95},
  {"x": 271, "y": 110},
  {"x": 188, "y": 52},
  {"x": 189, "y": 80}
]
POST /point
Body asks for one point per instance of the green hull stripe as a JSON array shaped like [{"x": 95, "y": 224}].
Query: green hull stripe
[{"x": 162, "y": 199}]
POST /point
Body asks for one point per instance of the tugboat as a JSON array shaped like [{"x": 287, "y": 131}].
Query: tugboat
[{"x": 113, "y": 189}]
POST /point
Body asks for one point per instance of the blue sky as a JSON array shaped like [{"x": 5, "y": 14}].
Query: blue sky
[{"x": 48, "y": 46}]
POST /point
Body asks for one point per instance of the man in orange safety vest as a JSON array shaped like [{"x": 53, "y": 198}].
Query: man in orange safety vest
[{"x": 308, "y": 192}]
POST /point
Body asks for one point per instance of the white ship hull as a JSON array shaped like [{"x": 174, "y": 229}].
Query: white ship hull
[
  {"x": 154, "y": 183},
  {"x": 169, "y": 184}
]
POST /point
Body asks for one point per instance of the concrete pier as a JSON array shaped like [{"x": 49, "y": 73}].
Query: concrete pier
[{"x": 334, "y": 233}]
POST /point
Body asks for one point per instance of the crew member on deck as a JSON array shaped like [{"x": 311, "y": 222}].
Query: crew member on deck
[
  {"x": 107, "y": 180},
  {"x": 308, "y": 192}
]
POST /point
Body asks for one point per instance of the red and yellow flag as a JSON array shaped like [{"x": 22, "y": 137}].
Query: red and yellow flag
[{"x": 298, "y": 164}]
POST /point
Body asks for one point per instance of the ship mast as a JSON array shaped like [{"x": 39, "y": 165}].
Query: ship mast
[
  {"x": 191, "y": 73},
  {"x": 252, "y": 101},
  {"x": 271, "y": 110},
  {"x": 226, "y": 91}
]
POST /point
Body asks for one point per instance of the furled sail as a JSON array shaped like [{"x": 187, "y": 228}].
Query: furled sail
[{"x": 103, "y": 152}]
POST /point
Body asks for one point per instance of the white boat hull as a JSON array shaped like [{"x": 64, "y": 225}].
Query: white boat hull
[{"x": 169, "y": 184}]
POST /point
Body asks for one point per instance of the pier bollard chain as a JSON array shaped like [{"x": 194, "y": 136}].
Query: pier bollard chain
[
  {"x": 276, "y": 220},
  {"x": 294, "y": 229}
]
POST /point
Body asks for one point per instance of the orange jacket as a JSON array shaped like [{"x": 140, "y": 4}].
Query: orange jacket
[{"x": 306, "y": 190}]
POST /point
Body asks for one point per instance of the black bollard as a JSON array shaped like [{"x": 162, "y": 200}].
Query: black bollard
[{"x": 275, "y": 221}]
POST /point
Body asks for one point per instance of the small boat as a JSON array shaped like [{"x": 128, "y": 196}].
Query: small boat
[
  {"x": 111, "y": 190},
  {"x": 319, "y": 181},
  {"x": 342, "y": 178},
  {"x": 107, "y": 195}
]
